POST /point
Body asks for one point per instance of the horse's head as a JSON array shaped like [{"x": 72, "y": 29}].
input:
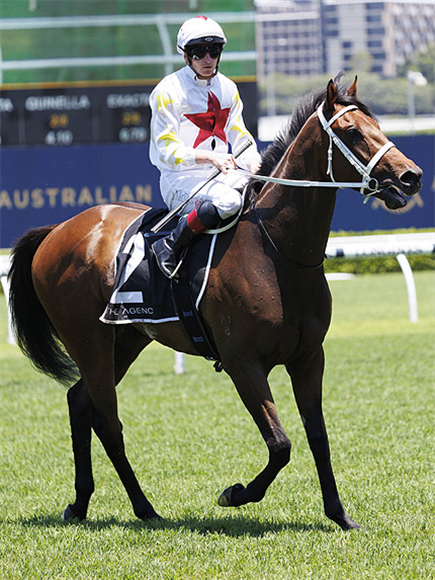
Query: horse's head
[{"x": 366, "y": 151}]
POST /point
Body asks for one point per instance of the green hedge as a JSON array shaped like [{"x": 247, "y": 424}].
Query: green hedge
[
  {"x": 374, "y": 264},
  {"x": 378, "y": 264}
]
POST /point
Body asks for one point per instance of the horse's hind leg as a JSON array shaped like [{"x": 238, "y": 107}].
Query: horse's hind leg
[
  {"x": 307, "y": 385},
  {"x": 80, "y": 413},
  {"x": 253, "y": 388},
  {"x": 100, "y": 380}
]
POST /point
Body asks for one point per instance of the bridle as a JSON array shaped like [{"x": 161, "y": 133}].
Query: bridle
[
  {"x": 368, "y": 186},
  {"x": 369, "y": 183}
]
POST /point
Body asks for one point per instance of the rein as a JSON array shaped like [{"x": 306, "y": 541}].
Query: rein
[{"x": 368, "y": 183}]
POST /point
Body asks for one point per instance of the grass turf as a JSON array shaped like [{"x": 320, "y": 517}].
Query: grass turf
[{"x": 189, "y": 436}]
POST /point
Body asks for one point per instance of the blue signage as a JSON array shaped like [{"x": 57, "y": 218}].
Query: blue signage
[
  {"x": 351, "y": 215},
  {"x": 46, "y": 185}
]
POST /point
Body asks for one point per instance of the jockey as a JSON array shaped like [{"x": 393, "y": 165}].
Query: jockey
[{"x": 196, "y": 116}]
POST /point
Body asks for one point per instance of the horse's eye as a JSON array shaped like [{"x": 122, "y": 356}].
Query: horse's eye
[{"x": 353, "y": 135}]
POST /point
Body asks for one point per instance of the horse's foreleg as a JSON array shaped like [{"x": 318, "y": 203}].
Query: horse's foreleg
[
  {"x": 255, "y": 393},
  {"x": 80, "y": 413},
  {"x": 307, "y": 385}
]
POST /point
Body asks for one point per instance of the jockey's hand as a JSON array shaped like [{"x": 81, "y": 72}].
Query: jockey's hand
[
  {"x": 222, "y": 161},
  {"x": 254, "y": 166}
]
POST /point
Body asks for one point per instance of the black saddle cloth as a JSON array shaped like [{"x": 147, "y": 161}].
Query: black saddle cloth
[{"x": 143, "y": 294}]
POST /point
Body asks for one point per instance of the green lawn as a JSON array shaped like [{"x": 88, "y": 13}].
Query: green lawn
[{"x": 189, "y": 436}]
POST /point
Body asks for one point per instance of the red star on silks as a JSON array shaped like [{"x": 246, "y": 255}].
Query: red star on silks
[{"x": 212, "y": 122}]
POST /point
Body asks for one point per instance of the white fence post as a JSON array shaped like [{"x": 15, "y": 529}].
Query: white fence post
[
  {"x": 383, "y": 245},
  {"x": 410, "y": 286},
  {"x": 179, "y": 363},
  {"x": 5, "y": 285}
]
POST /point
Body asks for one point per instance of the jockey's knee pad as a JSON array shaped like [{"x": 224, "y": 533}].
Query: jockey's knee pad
[{"x": 208, "y": 214}]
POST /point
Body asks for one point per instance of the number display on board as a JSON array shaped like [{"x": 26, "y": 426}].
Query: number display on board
[{"x": 65, "y": 116}]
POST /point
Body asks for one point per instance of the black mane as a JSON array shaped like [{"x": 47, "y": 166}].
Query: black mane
[{"x": 271, "y": 156}]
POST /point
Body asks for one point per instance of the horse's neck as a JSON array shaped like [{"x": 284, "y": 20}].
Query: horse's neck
[{"x": 299, "y": 219}]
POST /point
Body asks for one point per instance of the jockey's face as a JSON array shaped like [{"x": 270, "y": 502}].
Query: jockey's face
[{"x": 205, "y": 66}]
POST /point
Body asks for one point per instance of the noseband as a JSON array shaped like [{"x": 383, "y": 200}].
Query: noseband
[{"x": 369, "y": 183}]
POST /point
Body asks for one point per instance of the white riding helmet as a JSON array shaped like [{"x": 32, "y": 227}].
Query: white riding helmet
[{"x": 199, "y": 28}]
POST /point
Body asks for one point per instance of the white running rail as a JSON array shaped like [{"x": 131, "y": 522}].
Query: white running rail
[
  {"x": 384, "y": 245},
  {"x": 353, "y": 246}
]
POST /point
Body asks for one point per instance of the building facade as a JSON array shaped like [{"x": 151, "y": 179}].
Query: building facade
[
  {"x": 300, "y": 38},
  {"x": 288, "y": 38},
  {"x": 388, "y": 31}
]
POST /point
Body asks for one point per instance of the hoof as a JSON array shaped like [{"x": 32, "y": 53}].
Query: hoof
[
  {"x": 70, "y": 517},
  {"x": 345, "y": 523},
  {"x": 226, "y": 497},
  {"x": 152, "y": 518},
  {"x": 147, "y": 513},
  {"x": 351, "y": 525}
]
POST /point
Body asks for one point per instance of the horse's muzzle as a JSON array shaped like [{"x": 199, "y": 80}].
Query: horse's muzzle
[{"x": 393, "y": 195}]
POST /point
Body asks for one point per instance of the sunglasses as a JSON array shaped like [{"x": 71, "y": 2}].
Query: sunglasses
[{"x": 199, "y": 52}]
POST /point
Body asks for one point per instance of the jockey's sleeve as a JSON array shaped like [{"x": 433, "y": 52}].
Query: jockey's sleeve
[{"x": 166, "y": 147}]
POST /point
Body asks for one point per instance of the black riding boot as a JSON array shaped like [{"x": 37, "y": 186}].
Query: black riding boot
[{"x": 167, "y": 250}]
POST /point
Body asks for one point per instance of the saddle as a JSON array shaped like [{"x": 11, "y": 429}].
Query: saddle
[{"x": 142, "y": 293}]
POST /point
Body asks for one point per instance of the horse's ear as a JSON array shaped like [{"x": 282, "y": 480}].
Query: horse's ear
[
  {"x": 353, "y": 88},
  {"x": 331, "y": 95}
]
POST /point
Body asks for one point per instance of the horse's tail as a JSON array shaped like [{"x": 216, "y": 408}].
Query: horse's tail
[{"x": 34, "y": 332}]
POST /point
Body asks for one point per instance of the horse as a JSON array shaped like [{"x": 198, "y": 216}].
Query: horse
[{"x": 267, "y": 302}]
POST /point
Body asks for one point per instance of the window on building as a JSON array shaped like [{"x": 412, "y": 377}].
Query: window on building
[
  {"x": 376, "y": 31},
  {"x": 375, "y": 6},
  {"x": 373, "y": 18},
  {"x": 380, "y": 55}
]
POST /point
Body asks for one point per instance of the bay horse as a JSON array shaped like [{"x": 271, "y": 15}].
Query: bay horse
[{"x": 267, "y": 302}]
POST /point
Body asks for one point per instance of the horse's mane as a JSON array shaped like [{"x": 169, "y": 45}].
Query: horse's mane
[{"x": 271, "y": 156}]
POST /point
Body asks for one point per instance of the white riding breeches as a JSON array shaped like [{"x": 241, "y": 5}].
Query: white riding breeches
[{"x": 219, "y": 191}]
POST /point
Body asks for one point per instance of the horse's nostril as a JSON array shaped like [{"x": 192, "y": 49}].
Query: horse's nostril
[{"x": 411, "y": 178}]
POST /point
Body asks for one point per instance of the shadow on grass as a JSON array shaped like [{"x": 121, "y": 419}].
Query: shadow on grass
[{"x": 233, "y": 526}]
